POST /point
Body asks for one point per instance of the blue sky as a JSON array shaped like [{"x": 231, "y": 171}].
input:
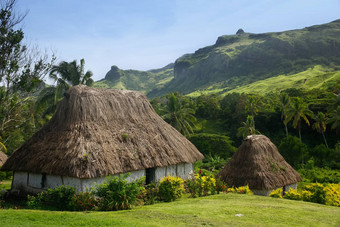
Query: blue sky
[{"x": 148, "y": 34}]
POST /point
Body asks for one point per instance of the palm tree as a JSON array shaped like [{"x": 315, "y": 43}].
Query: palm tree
[
  {"x": 252, "y": 107},
  {"x": 179, "y": 116},
  {"x": 320, "y": 124},
  {"x": 334, "y": 119},
  {"x": 247, "y": 128},
  {"x": 65, "y": 75},
  {"x": 284, "y": 102},
  {"x": 68, "y": 74},
  {"x": 297, "y": 110}
]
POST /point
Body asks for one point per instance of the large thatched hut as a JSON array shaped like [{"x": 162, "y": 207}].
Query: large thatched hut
[
  {"x": 3, "y": 158},
  {"x": 258, "y": 164},
  {"x": 99, "y": 132}
]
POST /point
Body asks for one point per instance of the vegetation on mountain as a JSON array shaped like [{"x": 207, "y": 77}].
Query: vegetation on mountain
[
  {"x": 270, "y": 62},
  {"x": 242, "y": 59}
]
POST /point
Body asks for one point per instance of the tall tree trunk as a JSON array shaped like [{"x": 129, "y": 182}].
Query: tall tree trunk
[
  {"x": 286, "y": 128},
  {"x": 300, "y": 130},
  {"x": 324, "y": 138},
  {"x": 302, "y": 156}
]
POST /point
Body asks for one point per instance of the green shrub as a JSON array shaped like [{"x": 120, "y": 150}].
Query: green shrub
[
  {"x": 84, "y": 201},
  {"x": 318, "y": 193},
  {"x": 320, "y": 175},
  {"x": 116, "y": 193},
  {"x": 150, "y": 194},
  {"x": 212, "y": 163},
  {"x": 292, "y": 194},
  {"x": 193, "y": 188},
  {"x": 171, "y": 188},
  {"x": 59, "y": 198},
  {"x": 276, "y": 193}
]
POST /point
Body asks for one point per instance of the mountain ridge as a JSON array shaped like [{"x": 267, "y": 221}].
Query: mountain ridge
[{"x": 237, "y": 60}]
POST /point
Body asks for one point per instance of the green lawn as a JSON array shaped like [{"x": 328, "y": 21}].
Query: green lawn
[{"x": 218, "y": 210}]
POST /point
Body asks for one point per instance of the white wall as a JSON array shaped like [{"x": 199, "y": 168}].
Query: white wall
[{"x": 31, "y": 182}]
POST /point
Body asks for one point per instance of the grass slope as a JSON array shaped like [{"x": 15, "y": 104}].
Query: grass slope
[
  {"x": 218, "y": 210},
  {"x": 315, "y": 77}
]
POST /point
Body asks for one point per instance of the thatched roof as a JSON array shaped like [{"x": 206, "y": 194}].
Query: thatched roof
[
  {"x": 259, "y": 164},
  {"x": 99, "y": 132},
  {"x": 3, "y": 158}
]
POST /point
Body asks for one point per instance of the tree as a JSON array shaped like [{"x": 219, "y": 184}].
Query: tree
[
  {"x": 21, "y": 71},
  {"x": 252, "y": 107},
  {"x": 66, "y": 75},
  {"x": 293, "y": 150},
  {"x": 296, "y": 110},
  {"x": 284, "y": 102},
  {"x": 334, "y": 119},
  {"x": 176, "y": 114},
  {"x": 70, "y": 74},
  {"x": 247, "y": 128},
  {"x": 320, "y": 124}
]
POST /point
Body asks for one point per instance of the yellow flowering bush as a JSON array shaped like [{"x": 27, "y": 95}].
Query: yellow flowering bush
[
  {"x": 306, "y": 195},
  {"x": 206, "y": 184},
  {"x": 318, "y": 193},
  {"x": 171, "y": 188},
  {"x": 333, "y": 195},
  {"x": 292, "y": 194},
  {"x": 202, "y": 185},
  {"x": 241, "y": 190},
  {"x": 276, "y": 193}
]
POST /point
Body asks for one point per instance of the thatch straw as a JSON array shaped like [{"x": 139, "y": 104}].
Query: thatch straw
[
  {"x": 99, "y": 132},
  {"x": 3, "y": 158},
  {"x": 259, "y": 164}
]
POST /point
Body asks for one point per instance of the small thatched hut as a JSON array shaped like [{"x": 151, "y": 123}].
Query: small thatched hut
[
  {"x": 99, "y": 132},
  {"x": 258, "y": 164},
  {"x": 3, "y": 158}
]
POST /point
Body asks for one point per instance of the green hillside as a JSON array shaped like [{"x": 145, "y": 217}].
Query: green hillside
[
  {"x": 239, "y": 62},
  {"x": 321, "y": 77}
]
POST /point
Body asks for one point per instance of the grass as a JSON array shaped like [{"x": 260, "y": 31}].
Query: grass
[{"x": 217, "y": 210}]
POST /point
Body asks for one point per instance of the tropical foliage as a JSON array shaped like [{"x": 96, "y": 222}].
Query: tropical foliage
[
  {"x": 296, "y": 111},
  {"x": 178, "y": 115},
  {"x": 65, "y": 75}
]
